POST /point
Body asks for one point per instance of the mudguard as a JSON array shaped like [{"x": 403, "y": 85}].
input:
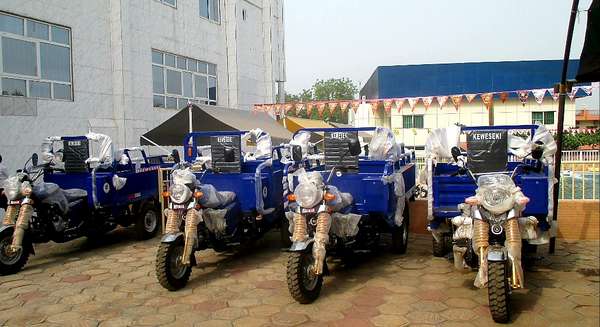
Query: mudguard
[
  {"x": 498, "y": 254},
  {"x": 26, "y": 240},
  {"x": 170, "y": 238},
  {"x": 301, "y": 246}
]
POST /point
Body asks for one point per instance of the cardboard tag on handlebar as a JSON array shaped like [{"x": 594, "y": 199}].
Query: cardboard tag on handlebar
[{"x": 487, "y": 151}]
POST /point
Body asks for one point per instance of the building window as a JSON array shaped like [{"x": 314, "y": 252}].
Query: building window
[
  {"x": 415, "y": 121},
  {"x": 177, "y": 80},
  {"x": 210, "y": 9},
  {"x": 35, "y": 59},
  {"x": 543, "y": 117},
  {"x": 171, "y": 3}
]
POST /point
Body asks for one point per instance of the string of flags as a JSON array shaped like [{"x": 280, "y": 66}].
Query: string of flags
[{"x": 388, "y": 104}]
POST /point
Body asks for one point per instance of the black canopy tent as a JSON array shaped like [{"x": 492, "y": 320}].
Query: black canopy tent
[
  {"x": 212, "y": 118},
  {"x": 589, "y": 63}
]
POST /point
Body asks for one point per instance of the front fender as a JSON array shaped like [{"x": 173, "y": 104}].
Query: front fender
[
  {"x": 10, "y": 229},
  {"x": 496, "y": 254},
  {"x": 301, "y": 246},
  {"x": 171, "y": 237}
]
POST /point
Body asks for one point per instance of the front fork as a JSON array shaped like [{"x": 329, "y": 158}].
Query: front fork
[
  {"x": 22, "y": 224},
  {"x": 321, "y": 238},
  {"x": 10, "y": 215},
  {"x": 192, "y": 219},
  {"x": 481, "y": 230}
]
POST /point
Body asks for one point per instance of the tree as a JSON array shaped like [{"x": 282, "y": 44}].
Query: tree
[{"x": 324, "y": 90}]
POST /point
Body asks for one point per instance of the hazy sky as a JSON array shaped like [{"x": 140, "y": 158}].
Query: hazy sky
[{"x": 350, "y": 38}]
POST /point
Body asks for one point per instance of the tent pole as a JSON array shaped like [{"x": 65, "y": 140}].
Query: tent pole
[
  {"x": 191, "y": 127},
  {"x": 153, "y": 143},
  {"x": 561, "y": 116}
]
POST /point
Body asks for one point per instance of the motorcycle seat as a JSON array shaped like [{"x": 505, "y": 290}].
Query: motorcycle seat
[{"x": 75, "y": 194}]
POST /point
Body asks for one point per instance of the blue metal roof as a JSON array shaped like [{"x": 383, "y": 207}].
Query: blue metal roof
[{"x": 464, "y": 78}]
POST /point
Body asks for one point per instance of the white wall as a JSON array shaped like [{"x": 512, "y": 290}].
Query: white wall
[
  {"x": 512, "y": 112},
  {"x": 112, "y": 65}
]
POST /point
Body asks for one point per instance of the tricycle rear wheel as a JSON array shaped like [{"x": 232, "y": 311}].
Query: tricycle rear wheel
[
  {"x": 171, "y": 274},
  {"x": 12, "y": 263},
  {"x": 303, "y": 285},
  {"x": 400, "y": 234},
  {"x": 147, "y": 221},
  {"x": 440, "y": 247}
]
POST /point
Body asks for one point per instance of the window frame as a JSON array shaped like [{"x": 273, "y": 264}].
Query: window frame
[
  {"x": 543, "y": 115},
  {"x": 209, "y": 8},
  {"x": 37, "y": 43},
  {"x": 412, "y": 121},
  {"x": 164, "y": 2},
  {"x": 189, "y": 70}
]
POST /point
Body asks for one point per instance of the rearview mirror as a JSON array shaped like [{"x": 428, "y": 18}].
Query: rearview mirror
[
  {"x": 34, "y": 159},
  {"x": 455, "y": 153},
  {"x": 175, "y": 155},
  {"x": 354, "y": 147},
  {"x": 229, "y": 154},
  {"x": 296, "y": 153},
  {"x": 537, "y": 150},
  {"x": 0, "y": 158}
]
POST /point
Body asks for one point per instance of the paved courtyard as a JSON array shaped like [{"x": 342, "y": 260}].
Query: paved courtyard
[{"x": 114, "y": 285}]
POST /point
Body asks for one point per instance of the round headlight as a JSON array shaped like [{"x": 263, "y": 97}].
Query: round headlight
[
  {"x": 497, "y": 200},
  {"x": 12, "y": 188},
  {"x": 307, "y": 195},
  {"x": 26, "y": 189},
  {"x": 180, "y": 193}
]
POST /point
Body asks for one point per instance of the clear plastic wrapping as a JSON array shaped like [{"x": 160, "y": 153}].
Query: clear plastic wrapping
[
  {"x": 400, "y": 192},
  {"x": 345, "y": 225},
  {"x": 263, "y": 145},
  {"x": 302, "y": 139},
  {"x": 383, "y": 145},
  {"x": 463, "y": 223},
  {"x": 105, "y": 147},
  {"x": 215, "y": 220},
  {"x": 212, "y": 198},
  {"x": 118, "y": 182},
  {"x": 440, "y": 142},
  {"x": 341, "y": 201},
  {"x": 51, "y": 193},
  {"x": 3, "y": 175}
]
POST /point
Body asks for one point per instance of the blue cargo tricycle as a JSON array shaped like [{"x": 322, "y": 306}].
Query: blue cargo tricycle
[
  {"x": 344, "y": 200},
  {"x": 74, "y": 194},
  {"x": 491, "y": 201},
  {"x": 227, "y": 191}
]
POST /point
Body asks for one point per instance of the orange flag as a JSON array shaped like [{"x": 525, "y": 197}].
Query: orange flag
[{"x": 488, "y": 100}]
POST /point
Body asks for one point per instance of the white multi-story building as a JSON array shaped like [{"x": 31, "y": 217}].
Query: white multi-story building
[{"x": 123, "y": 67}]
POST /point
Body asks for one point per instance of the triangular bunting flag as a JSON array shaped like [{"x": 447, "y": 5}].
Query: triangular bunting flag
[
  {"x": 470, "y": 97},
  {"x": 321, "y": 108},
  {"x": 387, "y": 105},
  {"x": 539, "y": 95},
  {"x": 573, "y": 92},
  {"x": 555, "y": 95},
  {"x": 427, "y": 102},
  {"x": 257, "y": 107},
  {"x": 309, "y": 109},
  {"x": 332, "y": 106},
  {"x": 288, "y": 107},
  {"x": 355, "y": 105},
  {"x": 523, "y": 95},
  {"x": 456, "y": 100},
  {"x": 442, "y": 100},
  {"x": 488, "y": 100},
  {"x": 587, "y": 89},
  {"x": 374, "y": 106},
  {"x": 412, "y": 102},
  {"x": 344, "y": 106},
  {"x": 503, "y": 96},
  {"x": 400, "y": 104}
]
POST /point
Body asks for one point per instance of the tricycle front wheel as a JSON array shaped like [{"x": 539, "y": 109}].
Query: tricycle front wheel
[
  {"x": 499, "y": 291},
  {"x": 147, "y": 221},
  {"x": 170, "y": 272},
  {"x": 303, "y": 284},
  {"x": 12, "y": 262}
]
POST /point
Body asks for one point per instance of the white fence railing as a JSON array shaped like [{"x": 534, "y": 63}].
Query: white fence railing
[{"x": 580, "y": 174}]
